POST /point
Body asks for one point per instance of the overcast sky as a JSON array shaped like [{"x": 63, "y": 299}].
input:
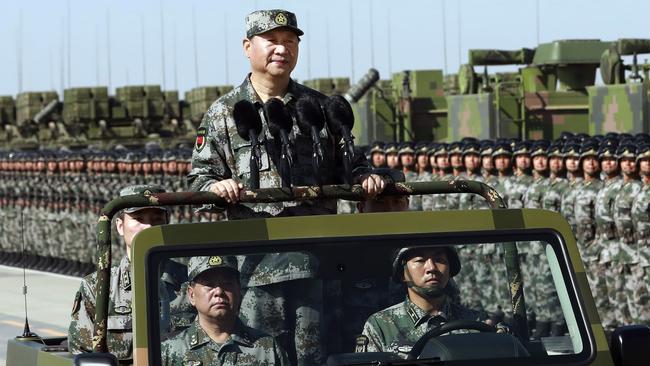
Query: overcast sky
[{"x": 65, "y": 43}]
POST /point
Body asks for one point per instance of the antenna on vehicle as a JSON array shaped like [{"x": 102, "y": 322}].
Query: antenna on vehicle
[{"x": 27, "y": 333}]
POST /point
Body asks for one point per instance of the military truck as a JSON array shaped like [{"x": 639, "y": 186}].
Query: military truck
[{"x": 357, "y": 253}]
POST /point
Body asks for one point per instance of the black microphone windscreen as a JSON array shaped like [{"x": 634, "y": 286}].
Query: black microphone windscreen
[
  {"x": 309, "y": 114},
  {"x": 339, "y": 112},
  {"x": 246, "y": 119},
  {"x": 279, "y": 118}
]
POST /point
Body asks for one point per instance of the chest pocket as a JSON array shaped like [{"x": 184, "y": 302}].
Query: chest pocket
[
  {"x": 120, "y": 336},
  {"x": 242, "y": 155}
]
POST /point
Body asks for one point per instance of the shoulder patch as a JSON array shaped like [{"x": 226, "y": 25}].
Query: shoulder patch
[
  {"x": 199, "y": 144},
  {"x": 361, "y": 343}
]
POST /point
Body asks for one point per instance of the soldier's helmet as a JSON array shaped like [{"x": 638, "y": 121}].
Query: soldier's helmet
[
  {"x": 626, "y": 150},
  {"x": 145, "y": 190},
  {"x": 404, "y": 254},
  {"x": 198, "y": 265}
]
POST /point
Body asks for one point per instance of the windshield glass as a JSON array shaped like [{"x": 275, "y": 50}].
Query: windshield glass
[{"x": 357, "y": 300}]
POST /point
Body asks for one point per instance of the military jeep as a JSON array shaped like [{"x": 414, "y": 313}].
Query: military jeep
[{"x": 353, "y": 254}]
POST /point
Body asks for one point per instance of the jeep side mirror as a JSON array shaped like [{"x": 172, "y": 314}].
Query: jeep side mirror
[
  {"x": 95, "y": 359},
  {"x": 629, "y": 345}
]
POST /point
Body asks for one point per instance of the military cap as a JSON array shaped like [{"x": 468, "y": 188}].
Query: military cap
[
  {"x": 642, "y": 138},
  {"x": 555, "y": 150},
  {"x": 521, "y": 148},
  {"x": 198, "y": 265},
  {"x": 442, "y": 149},
  {"x": 432, "y": 148},
  {"x": 487, "y": 147},
  {"x": 612, "y": 135},
  {"x": 169, "y": 155},
  {"x": 566, "y": 135},
  {"x": 404, "y": 254},
  {"x": 471, "y": 147},
  {"x": 598, "y": 138},
  {"x": 406, "y": 148},
  {"x": 391, "y": 148},
  {"x": 466, "y": 140},
  {"x": 540, "y": 147},
  {"x": 421, "y": 148},
  {"x": 607, "y": 151},
  {"x": 582, "y": 137},
  {"x": 643, "y": 152},
  {"x": 589, "y": 149},
  {"x": 501, "y": 149},
  {"x": 627, "y": 150},
  {"x": 262, "y": 21},
  {"x": 624, "y": 137},
  {"x": 377, "y": 147},
  {"x": 455, "y": 148},
  {"x": 143, "y": 189}
]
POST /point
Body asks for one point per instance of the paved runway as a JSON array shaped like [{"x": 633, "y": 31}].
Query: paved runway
[{"x": 49, "y": 302}]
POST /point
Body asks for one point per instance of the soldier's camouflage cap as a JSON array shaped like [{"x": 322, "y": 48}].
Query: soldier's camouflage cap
[
  {"x": 198, "y": 265},
  {"x": 143, "y": 189},
  {"x": 262, "y": 21}
]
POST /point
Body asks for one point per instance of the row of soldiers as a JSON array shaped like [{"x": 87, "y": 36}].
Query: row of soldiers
[
  {"x": 601, "y": 185},
  {"x": 50, "y": 200}
]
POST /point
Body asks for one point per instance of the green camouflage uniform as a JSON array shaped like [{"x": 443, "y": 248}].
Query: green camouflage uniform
[
  {"x": 246, "y": 346},
  {"x": 398, "y": 327},
  {"x": 585, "y": 219},
  {"x": 119, "y": 325},
  {"x": 639, "y": 302},
  {"x": 552, "y": 199},
  {"x": 415, "y": 202},
  {"x": 604, "y": 242},
  {"x": 222, "y": 154},
  {"x": 623, "y": 255},
  {"x": 436, "y": 202},
  {"x": 567, "y": 207}
]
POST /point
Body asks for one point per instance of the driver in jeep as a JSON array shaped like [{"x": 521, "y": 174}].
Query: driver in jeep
[{"x": 432, "y": 300}]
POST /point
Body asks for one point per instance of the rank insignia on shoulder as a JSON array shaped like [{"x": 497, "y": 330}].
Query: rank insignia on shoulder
[
  {"x": 361, "y": 343},
  {"x": 200, "y": 139}
]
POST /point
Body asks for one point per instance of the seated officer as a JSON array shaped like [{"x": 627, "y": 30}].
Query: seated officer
[
  {"x": 432, "y": 300},
  {"x": 217, "y": 336},
  {"x": 129, "y": 222}
]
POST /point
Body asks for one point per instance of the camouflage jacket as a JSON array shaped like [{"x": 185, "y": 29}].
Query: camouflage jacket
[
  {"x": 516, "y": 192},
  {"x": 220, "y": 153},
  {"x": 398, "y": 327},
  {"x": 535, "y": 193},
  {"x": 622, "y": 210},
  {"x": 246, "y": 346},
  {"x": 552, "y": 199},
  {"x": 415, "y": 202},
  {"x": 585, "y": 211},
  {"x": 504, "y": 186},
  {"x": 437, "y": 202},
  {"x": 641, "y": 222},
  {"x": 604, "y": 207},
  {"x": 568, "y": 202},
  {"x": 470, "y": 201},
  {"x": 119, "y": 326}
]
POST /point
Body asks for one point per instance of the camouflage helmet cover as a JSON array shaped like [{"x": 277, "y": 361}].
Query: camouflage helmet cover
[
  {"x": 262, "y": 21},
  {"x": 405, "y": 253}
]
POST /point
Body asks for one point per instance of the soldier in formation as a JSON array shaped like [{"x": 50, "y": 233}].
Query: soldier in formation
[
  {"x": 50, "y": 200},
  {"x": 599, "y": 184}
]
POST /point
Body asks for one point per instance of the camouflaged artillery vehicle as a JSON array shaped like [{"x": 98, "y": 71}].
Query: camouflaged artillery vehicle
[
  {"x": 554, "y": 91},
  {"x": 351, "y": 250},
  {"x": 90, "y": 116}
]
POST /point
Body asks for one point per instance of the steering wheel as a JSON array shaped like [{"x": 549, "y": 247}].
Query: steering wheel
[{"x": 446, "y": 328}]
